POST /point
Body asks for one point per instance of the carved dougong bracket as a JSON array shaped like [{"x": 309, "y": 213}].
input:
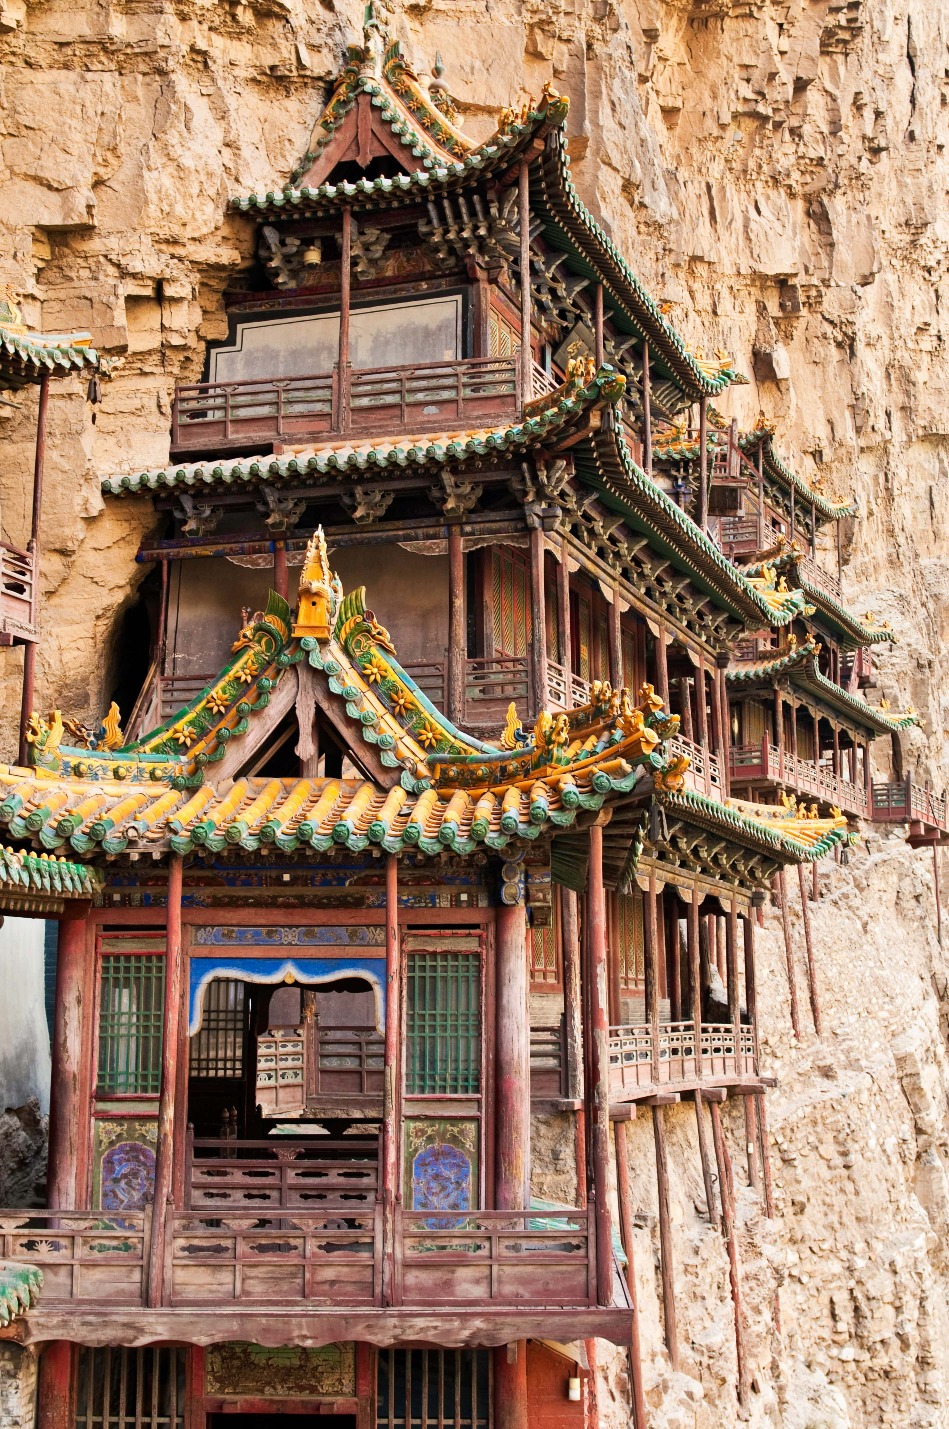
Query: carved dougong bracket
[
  {"x": 197, "y": 519},
  {"x": 281, "y": 513},
  {"x": 456, "y": 498},
  {"x": 366, "y": 505}
]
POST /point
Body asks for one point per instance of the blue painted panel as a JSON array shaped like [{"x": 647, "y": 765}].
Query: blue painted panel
[{"x": 306, "y": 971}]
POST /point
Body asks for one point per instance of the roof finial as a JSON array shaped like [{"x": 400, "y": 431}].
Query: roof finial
[{"x": 319, "y": 591}]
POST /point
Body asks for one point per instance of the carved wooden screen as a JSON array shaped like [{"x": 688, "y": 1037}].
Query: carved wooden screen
[
  {"x": 546, "y": 970},
  {"x": 131, "y": 1389},
  {"x": 510, "y": 602},
  {"x": 419, "y": 1389},
  {"x": 629, "y": 923},
  {"x": 443, "y": 1009},
  {"x": 504, "y": 338},
  {"x": 131, "y": 1011}
]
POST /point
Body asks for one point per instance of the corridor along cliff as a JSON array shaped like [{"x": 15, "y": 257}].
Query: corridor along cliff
[{"x": 496, "y": 684}]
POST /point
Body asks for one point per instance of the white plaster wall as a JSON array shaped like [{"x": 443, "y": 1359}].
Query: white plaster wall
[{"x": 24, "y": 1036}]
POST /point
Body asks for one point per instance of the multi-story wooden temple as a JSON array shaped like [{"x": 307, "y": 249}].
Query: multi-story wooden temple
[{"x": 469, "y": 614}]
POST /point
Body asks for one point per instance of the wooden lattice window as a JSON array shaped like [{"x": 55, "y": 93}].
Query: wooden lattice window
[
  {"x": 628, "y": 641},
  {"x": 131, "y": 1389},
  {"x": 504, "y": 338},
  {"x": 131, "y": 1012},
  {"x": 421, "y": 1389},
  {"x": 543, "y": 946},
  {"x": 217, "y": 1048},
  {"x": 443, "y": 1023},
  {"x": 510, "y": 602},
  {"x": 631, "y": 954}
]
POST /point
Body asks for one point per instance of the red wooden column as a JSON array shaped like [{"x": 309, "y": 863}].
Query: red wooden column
[
  {"x": 457, "y": 634},
  {"x": 703, "y": 463},
  {"x": 512, "y": 1061},
  {"x": 281, "y": 575},
  {"x": 616, "y": 641},
  {"x": 647, "y": 413},
  {"x": 164, "y": 1158},
  {"x": 64, "y": 1102},
  {"x": 524, "y": 223},
  {"x": 666, "y": 1265},
  {"x": 512, "y": 1133},
  {"x": 662, "y": 669},
  {"x": 54, "y": 1401},
  {"x": 391, "y": 1117},
  {"x": 625, "y": 1199},
  {"x": 563, "y": 617},
  {"x": 29, "y": 649},
  {"x": 538, "y": 621},
  {"x": 789, "y": 954},
  {"x": 341, "y": 412},
  {"x": 598, "y": 1041},
  {"x": 809, "y": 948}
]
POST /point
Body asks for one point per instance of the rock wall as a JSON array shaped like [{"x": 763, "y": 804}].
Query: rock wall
[{"x": 776, "y": 170}]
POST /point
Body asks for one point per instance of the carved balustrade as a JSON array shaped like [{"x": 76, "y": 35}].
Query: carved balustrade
[
  {"x": 17, "y": 595},
  {"x": 643, "y": 1056},
  {"x": 764, "y": 763}
]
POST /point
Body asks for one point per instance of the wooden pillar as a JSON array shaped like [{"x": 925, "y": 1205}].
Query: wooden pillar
[
  {"x": 761, "y": 495},
  {"x": 662, "y": 668},
  {"x": 512, "y": 1061},
  {"x": 749, "y": 1111},
  {"x": 598, "y": 325},
  {"x": 572, "y": 1003},
  {"x": 510, "y": 1386},
  {"x": 707, "y": 1176},
  {"x": 651, "y": 971},
  {"x": 765, "y": 1154},
  {"x": 726, "y": 728},
  {"x": 701, "y": 702},
  {"x": 391, "y": 1110},
  {"x": 563, "y": 616},
  {"x": 703, "y": 464},
  {"x": 54, "y": 1396},
  {"x": 165, "y": 1154},
  {"x": 809, "y": 946},
  {"x": 779, "y": 728},
  {"x": 524, "y": 221},
  {"x": 647, "y": 413},
  {"x": 281, "y": 575},
  {"x": 598, "y": 1093},
  {"x": 726, "y": 1189},
  {"x": 65, "y": 1110},
  {"x": 28, "y": 693},
  {"x": 793, "y": 703},
  {"x": 789, "y": 954},
  {"x": 666, "y": 1267},
  {"x": 457, "y": 632},
  {"x": 342, "y": 357},
  {"x": 616, "y": 643},
  {"x": 731, "y": 976},
  {"x": 813, "y": 531},
  {"x": 936, "y": 893},
  {"x": 685, "y": 705},
  {"x": 793, "y": 513},
  {"x": 538, "y": 621},
  {"x": 624, "y": 1196},
  {"x": 840, "y": 555},
  {"x": 751, "y": 983},
  {"x": 695, "y": 975}
]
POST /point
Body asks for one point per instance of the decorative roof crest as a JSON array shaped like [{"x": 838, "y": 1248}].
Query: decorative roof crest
[{"x": 320, "y": 591}]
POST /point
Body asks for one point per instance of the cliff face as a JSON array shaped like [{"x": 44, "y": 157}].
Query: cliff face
[{"x": 777, "y": 171}]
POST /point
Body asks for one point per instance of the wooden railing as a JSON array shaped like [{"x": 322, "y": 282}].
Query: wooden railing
[
  {"x": 906, "y": 802},
  {"x": 17, "y": 595},
  {"x": 503, "y": 677},
  {"x": 565, "y": 691},
  {"x": 548, "y": 1061},
  {"x": 92, "y": 1256},
  {"x": 426, "y": 396},
  {"x": 489, "y": 1258},
  {"x": 763, "y": 763},
  {"x": 643, "y": 1056},
  {"x": 429, "y": 675},
  {"x": 291, "y": 1257},
  {"x": 704, "y": 774},
  {"x": 281, "y": 1173}
]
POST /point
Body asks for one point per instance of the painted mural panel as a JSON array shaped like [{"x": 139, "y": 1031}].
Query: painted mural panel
[
  {"x": 287, "y": 1372},
  {"x": 124, "y": 1164},
  {"x": 442, "y": 1165}
]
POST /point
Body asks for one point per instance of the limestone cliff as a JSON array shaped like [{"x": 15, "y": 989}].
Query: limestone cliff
[{"x": 777, "y": 171}]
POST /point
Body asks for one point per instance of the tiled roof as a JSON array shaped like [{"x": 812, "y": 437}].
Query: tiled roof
[
  {"x": 854, "y": 630},
  {"x": 24, "y": 357},
  {"x": 38, "y": 881},
  {"x": 773, "y": 828},
  {"x": 544, "y": 416},
  {"x": 801, "y": 668}
]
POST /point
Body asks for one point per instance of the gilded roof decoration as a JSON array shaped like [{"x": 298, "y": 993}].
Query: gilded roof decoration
[{"x": 787, "y": 557}]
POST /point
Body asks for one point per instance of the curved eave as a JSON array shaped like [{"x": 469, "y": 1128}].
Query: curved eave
[
  {"x": 762, "y": 836},
  {"x": 806, "y": 499},
  {"x": 23, "y": 361},
  {"x": 23, "y": 873},
  {"x": 803, "y": 672},
  {"x": 855, "y": 631},
  {"x": 606, "y": 464},
  {"x": 19, "y": 1289},
  {"x": 331, "y": 458}
]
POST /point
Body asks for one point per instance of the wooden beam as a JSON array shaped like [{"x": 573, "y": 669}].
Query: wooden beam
[
  {"x": 65, "y": 1107},
  {"x": 622, "y": 1111},
  {"x": 598, "y": 1092},
  {"x": 457, "y": 631},
  {"x": 665, "y": 1239},
  {"x": 726, "y": 1189},
  {"x": 789, "y": 954},
  {"x": 625, "y": 1199},
  {"x": 512, "y": 1054},
  {"x": 165, "y": 1153},
  {"x": 809, "y": 947},
  {"x": 392, "y": 1119}
]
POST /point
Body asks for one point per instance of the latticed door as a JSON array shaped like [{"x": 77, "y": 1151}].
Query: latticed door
[
  {"x": 631, "y": 954},
  {"x": 510, "y": 602},
  {"x": 131, "y": 1012}
]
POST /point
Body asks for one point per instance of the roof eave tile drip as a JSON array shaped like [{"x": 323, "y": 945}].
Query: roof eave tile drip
[
  {"x": 764, "y": 835},
  {"x": 802, "y": 669},
  {"x": 657, "y": 515}
]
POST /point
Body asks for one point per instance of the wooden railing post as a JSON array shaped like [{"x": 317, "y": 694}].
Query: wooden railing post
[
  {"x": 164, "y": 1158},
  {"x": 391, "y": 1118}
]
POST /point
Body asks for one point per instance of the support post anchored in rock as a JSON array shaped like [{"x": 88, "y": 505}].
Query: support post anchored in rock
[{"x": 726, "y": 1188}]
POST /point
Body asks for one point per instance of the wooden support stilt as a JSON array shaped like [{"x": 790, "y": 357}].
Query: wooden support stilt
[
  {"x": 391, "y": 1120},
  {"x": 624, "y": 1196},
  {"x": 457, "y": 634},
  {"x": 815, "y": 883},
  {"x": 731, "y": 973},
  {"x": 703, "y": 464},
  {"x": 936, "y": 892},
  {"x": 751, "y": 1143},
  {"x": 512, "y": 1061},
  {"x": 708, "y": 1176},
  {"x": 54, "y": 1397},
  {"x": 666, "y": 1265},
  {"x": 789, "y": 955},
  {"x": 765, "y": 1150},
  {"x": 809, "y": 945},
  {"x": 28, "y": 692},
  {"x": 164, "y": 1156},
  {"x": 726, "y": 1189},
  {"x": 510, "y": 1386},
  {"x": 598, "y": 1092},
  {"x": 66, "y": 1076}
]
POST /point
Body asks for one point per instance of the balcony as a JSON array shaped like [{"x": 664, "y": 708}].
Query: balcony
[
  {"x": 565, "y": 691},
  {"x": 648, "y": 1058},
  {"x": 704, "y": 774},
  {"x": 742, "y": 540},
  {"x": 431, "y": 396},
  {"x": 17, "y": 596},
  {"x": 763, "y": 765},
  {"x": 926, "y": 813}
]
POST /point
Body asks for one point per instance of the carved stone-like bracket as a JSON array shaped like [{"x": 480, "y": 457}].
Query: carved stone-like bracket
[
  {"x": 197, "y": 519},
  {"x": 456, "y": 498},
  {"x": 365, "y": 505},
  {"x": 281, "y": 513}
]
